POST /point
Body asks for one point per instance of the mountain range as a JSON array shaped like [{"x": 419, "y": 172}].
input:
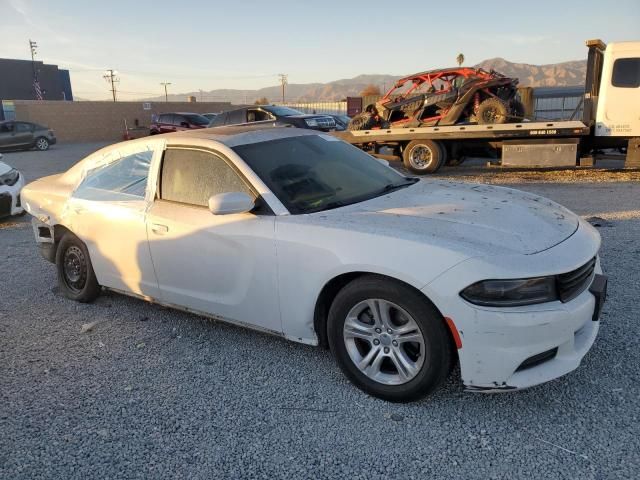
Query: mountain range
[{"x": 550, "y": 75}]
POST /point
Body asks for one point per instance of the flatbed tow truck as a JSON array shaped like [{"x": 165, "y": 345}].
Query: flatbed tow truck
[{"x": 611, "y": 119}]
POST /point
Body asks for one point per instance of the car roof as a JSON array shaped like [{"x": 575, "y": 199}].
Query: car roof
[
  {"x": 241, "y": 134},
  {"x": 179, "y": 113}
]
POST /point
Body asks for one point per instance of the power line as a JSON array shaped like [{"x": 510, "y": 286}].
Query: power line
[{"x": 110, "y": 76}]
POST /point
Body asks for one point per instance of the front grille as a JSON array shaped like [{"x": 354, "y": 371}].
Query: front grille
[
  {"x": 326, "y": 122},
  {"x": 573, "y": 283}
]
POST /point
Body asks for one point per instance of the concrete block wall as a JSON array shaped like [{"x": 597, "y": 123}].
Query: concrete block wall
[{"x": 101, "y": 121}]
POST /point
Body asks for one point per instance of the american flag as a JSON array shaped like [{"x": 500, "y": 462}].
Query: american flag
[{"x": 36, "y": 87}]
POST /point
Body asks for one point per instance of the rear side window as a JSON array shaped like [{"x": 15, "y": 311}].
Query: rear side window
[
  {"x": 192, "y": 176},
  {"x": 626, "y": 73},
  {"x": 165, "y": 118},
  {"x": 123, "y": 179},
  {"x": 23, "y": 127},
  {"x": 218, "y": 120},
  {"x": 235, "y": 117}
]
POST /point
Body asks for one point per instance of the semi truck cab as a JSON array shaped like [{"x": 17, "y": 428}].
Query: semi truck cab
[{"x": 617, "y": 110}]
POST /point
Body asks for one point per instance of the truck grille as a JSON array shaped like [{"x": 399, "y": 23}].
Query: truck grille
[{"x": 573, "y": 283}]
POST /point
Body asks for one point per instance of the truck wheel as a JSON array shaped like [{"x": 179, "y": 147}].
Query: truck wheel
[
  {"x": 362, "y": 121},
  {"x": 422, "y": 156},
  {"x": 492, "y": 110}
]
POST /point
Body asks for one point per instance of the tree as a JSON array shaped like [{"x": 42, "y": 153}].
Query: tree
[
  {"x": 370, "y": 90},
  {"x": 261, "y": 101},
  {"x": 460, "y": 59}
]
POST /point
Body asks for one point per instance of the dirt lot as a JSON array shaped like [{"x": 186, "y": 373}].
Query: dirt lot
[{"x": 154, "y": 393}]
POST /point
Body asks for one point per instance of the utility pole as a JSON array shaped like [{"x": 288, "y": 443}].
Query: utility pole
[
  {"x": 166, "y": 95},
  {"x": 283, "y": 81},
  {"x": 36, "y": 85},
  {"x": 110, "y": 77}
]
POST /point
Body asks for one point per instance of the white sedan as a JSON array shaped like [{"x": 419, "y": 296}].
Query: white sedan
[
  {"x": 298, "y": 234},
  {"x": 11, "y": 183}
]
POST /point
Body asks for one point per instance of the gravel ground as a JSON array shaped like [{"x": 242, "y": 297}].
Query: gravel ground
[{"x": 149, "y": 392}]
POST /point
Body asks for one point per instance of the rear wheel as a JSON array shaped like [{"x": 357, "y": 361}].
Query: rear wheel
[
  {"x": 42, "y": 144},
  {"x": 76, "y": 277},
  {"x": 388, "y": 339},
  {"x": 422, "y": 156},
  {"x": 491, "y": 111}
]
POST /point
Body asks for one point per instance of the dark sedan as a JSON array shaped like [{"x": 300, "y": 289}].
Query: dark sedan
[
  {"x": 276, "y": 116},
  {"x": 15, "y": 135}
]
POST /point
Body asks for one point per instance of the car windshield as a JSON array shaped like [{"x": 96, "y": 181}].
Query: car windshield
[
  {"x": 312, "y": 173},
  {"x": 196, "y": 119},
  {"x": 282, "y": 111}
]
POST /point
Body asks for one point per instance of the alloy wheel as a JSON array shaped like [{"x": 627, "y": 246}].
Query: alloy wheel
[{"x": 384, "y": 341}]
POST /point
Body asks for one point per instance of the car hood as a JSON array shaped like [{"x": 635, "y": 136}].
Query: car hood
[
  {"x": 4, "y": 168},
  {"x": 473, "y": 218}
]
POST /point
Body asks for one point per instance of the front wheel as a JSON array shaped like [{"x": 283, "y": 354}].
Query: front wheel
[
  {"x": 388, "y": 339},
  {"x": 492, "y": 111},
  {"x": 42, "y": 144},
  {"x": 76, "y": 277}
]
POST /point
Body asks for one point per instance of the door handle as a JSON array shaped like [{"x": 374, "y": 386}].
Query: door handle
[{"x": 159, "y": 229}]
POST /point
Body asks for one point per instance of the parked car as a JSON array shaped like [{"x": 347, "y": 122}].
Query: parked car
[
  {"x": 445, "y": 97},
  {"x": 210, "y": 116},
  {"x": 176, "y": 122},
  {"x": 342, "y": 121},
  {"x": 11, "y": 182},
  {"x": 276, "y": 116},
  {"x": 296, "y": 233},
  {"x": 18, "y": 135}
]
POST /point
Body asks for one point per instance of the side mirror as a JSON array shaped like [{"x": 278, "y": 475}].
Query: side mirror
[
  {"x": 184, "y": 124},
  {"x": 233, "y": 202}
]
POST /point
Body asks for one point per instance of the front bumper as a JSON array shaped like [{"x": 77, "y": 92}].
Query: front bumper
[{"x": 505, "y": 349}]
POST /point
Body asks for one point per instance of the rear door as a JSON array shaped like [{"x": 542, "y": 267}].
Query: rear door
[
  {"x": 165, "y": 123},
  {"x": 108, "y": 211},
  {"x": 23, "y": 134}
]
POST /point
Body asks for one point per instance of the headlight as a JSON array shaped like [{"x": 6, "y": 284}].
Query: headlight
[
  {"x": 10, "y": 178},
  {"x": 511, "y": 293},
  {"x": 311, "y": 122}
]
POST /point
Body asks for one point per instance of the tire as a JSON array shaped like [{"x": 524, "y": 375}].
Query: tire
[
  {"x": 428, "y": 358},
  {"x": 362, "y": 121},
  {"x": 492, "y": 111},
  {"x": 76, "y": 277},
  {"x": 422, "y": 156},
  {"x": 41, "y": 144},
  {"x": 517, "y": 111}
]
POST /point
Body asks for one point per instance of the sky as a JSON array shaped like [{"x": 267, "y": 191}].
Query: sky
[{"x": 245, "y": 44}]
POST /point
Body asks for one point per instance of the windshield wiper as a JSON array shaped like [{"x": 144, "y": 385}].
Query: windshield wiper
[{"x": 396, "y": 186}]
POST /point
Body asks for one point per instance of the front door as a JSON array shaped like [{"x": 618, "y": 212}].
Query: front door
[
  {"x": 224, "y": 265},
  {"x": 108, "y": 211}
]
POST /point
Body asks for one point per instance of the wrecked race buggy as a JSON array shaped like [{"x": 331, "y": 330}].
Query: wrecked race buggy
[{"x": 444, "y": 97}]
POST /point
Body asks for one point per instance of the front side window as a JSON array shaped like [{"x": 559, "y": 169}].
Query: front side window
[
  {"x": 626, "y": 73},
  {"x": 311, "y": 173},
  {"x": 6, "y": 127},
  {"x": 193, "y": 176},
  {"x": 123, "y": 179}
]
